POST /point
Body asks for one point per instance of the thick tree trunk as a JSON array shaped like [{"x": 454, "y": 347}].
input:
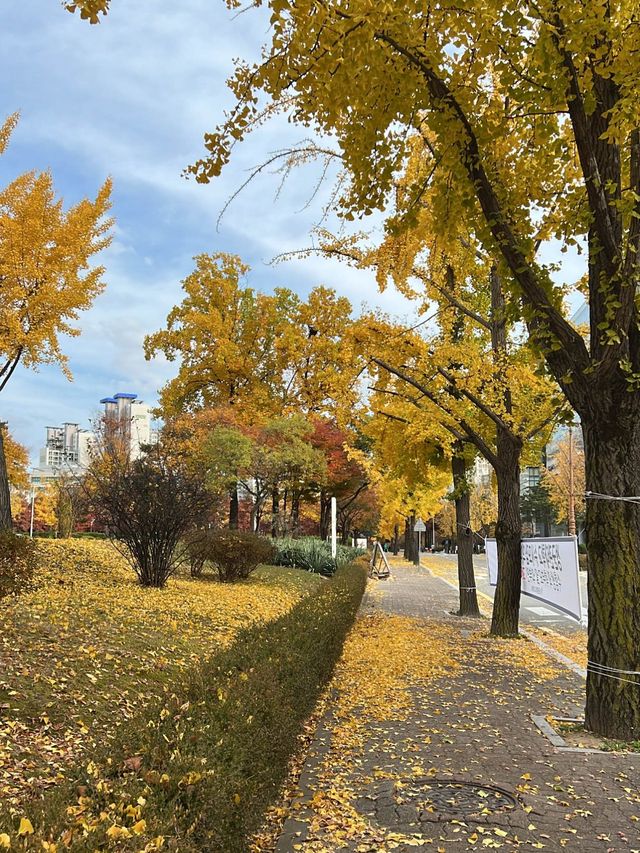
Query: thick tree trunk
[
  {"x": 234, "y": 508},
  {"x": 466, "y": 576},
  {"x": 506, "y": 603},
  {"x": 6, "y": 522},
  {"x": 612, "y": 457}
]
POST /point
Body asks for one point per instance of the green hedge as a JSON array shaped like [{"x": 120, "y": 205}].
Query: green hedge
[{"x": 217, "y": 752}]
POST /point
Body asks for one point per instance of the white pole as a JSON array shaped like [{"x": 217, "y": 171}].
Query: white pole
[
  {"x": 33, "y": 500},
  {"x": 334, "y": 527}
]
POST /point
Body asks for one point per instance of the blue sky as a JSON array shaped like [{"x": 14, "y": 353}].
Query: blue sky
[{"x": 131, "y": 98}]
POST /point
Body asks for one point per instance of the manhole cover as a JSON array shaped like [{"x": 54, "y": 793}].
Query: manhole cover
[{"x": 415, "y": 801}]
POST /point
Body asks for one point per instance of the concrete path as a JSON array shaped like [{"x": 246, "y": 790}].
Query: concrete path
[{"x": 489, "y": 778}]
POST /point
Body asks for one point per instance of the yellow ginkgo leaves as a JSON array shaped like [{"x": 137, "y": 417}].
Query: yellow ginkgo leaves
[{"x": 89, "y": 648}]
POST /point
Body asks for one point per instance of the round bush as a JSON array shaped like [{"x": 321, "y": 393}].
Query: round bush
[{"x": 236, "y": 553}]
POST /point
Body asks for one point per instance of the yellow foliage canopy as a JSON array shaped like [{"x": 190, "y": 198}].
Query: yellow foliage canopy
[
  {"x": 263, "y": 354},
  {"x": 45, "y": 269}
]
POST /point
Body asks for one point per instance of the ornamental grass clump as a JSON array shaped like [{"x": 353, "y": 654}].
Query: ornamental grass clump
[{"x": 313, "y": 555}]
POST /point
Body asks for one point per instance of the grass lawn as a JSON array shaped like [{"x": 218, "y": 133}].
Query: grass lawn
[{"x": 90, "y": 648}]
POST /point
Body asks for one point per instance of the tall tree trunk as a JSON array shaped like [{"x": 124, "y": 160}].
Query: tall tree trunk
[
  {"x": 275, "y": 512},
  {"x": 6, "y": 522},
  {"x": 612, "y": 458},
  {"x": 408, "y": 554},
  {"x": 295, "y": 511},
  {"x": 234, "y": 508},
  {"x": 325, "y": 515},
  {"x": 466, "y": 575},
  {"x": 415, "y": 540},
  {"x": 506, "y": 603},
  {"x": 396, "y": 536}
]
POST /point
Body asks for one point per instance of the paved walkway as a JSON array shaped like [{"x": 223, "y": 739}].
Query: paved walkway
[{"x": 490, "y": 779}]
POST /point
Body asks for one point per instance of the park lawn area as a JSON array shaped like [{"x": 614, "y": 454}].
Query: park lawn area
[{"x": 89, "y": 648}]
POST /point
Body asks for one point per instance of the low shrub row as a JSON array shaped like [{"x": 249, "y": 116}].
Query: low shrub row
[
  {"x": 313, "y": 555},
  {"x": 198, "y": 772}
]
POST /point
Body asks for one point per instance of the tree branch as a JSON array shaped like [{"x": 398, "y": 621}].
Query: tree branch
[
  {"x": 471, "y": 434},
  {"x": 477, "y": 402},
  {"x": 573, "y": 355}
]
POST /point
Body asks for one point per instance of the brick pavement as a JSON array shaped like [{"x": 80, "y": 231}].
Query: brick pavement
[{"x": 489, "y": 778}]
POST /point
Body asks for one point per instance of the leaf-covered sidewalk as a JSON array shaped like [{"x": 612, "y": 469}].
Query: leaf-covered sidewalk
[{"x": 428, "y": 742}]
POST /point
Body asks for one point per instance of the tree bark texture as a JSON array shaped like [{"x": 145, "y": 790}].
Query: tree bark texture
[
  {"x": 6, "y": 522},
  {"x": 506, "y": 603},
  {"x": 612, "y": 456},
  {"x": 466, "y": 575}
]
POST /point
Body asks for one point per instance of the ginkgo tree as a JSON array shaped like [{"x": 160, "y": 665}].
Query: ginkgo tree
[
  {"x": 46, "y": 274},
  {"x": 530, "y": 111},
  {"x": 485, "y": 388},
  {"x": 563, "y": 480},
  {"x": 253, "y": 355},
  {"x": 417, "y": 457},
  {"x": 267, "y": 353}
]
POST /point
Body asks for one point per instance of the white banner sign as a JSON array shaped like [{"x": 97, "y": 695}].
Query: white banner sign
[{"x": 550, "y": 571}]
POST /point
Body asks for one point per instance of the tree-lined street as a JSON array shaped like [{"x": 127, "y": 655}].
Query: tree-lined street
[{"x": 214, "y": 634}]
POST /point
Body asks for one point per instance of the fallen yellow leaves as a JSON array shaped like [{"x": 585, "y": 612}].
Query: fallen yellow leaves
[
  {"x": 89, "y": 648},
  {"x": 574, "y": 646},
  {"x": 385, "y": 659}
]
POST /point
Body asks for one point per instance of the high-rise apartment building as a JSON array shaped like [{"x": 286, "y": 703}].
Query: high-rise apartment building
[
  {"x": 68, "y": 447},
  {"x": 131, "y": 420}
]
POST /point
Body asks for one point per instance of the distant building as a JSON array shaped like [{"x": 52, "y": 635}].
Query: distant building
[
  {"x": 482, "y": 472},
  {"x": 68, "y": 447},
  {"x": 131, "y": 420}
]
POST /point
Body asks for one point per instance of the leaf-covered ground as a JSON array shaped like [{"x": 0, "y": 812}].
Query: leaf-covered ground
[
  {"x": 573, "y": 646},
  {"x": 424, "y": 702},
  {"x": 89, "y": 648}
]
